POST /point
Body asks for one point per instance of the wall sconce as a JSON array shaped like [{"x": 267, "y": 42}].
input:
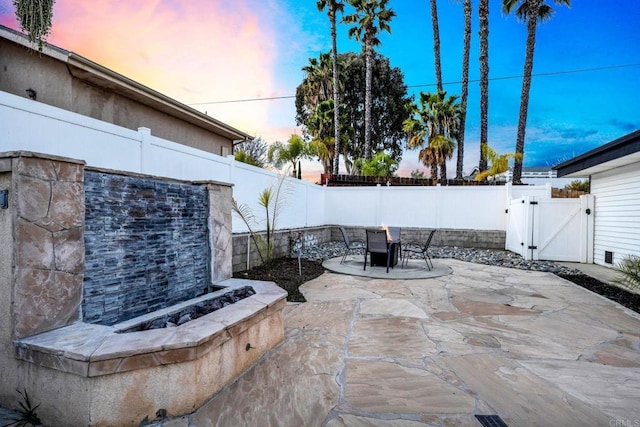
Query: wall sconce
[{"x": 32, "y": 94}]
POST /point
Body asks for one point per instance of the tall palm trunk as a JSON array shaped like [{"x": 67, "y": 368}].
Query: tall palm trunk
[
  {"x": 532, "y": 20},
  {"x": 436, "y": 44},
  {"x": 465, "y": 87},
  {"x": 483, "y": 13},
  {"x": 336, "y": 98},
  {"x": 367, "y": 99},
  {"x": 443, "y": 171}
]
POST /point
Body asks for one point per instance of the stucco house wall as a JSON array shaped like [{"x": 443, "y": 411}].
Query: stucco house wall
[{"x": 66, "y": 80}]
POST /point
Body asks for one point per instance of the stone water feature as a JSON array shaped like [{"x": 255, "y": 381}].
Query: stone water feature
[{"x": 87, "y": 259}]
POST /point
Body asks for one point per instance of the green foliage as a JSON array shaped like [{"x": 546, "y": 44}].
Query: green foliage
[
  {"x": 499, "y": 163},
  {"x": 35, "y": 17},
  {"x": 27, "y": 413},
  {"x": 578, "y": 185},
  {"x": 381, "y": 164},
  {"x": 292, "y": 152},
  {"x": 433, "y": 126},
  {"x": 253, "y": 152},
  {"x": 272, "y": 199},
  {"x": 629, "y": 272},
  {"x": 418, "y": 174},
  {"x": 389, "y": 106},
  {"x": 320, "y": 127}
]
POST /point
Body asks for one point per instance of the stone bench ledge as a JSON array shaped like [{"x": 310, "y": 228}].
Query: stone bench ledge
[{"x": 92, "y": 350}]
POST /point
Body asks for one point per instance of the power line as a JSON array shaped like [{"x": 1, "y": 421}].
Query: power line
[{"x": 550, "y": 73}]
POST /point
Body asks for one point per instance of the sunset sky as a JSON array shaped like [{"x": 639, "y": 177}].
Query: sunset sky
[{"x": 202, "y": 52}]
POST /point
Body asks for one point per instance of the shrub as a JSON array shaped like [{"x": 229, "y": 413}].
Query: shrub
[{"x": 629, "y": 272}]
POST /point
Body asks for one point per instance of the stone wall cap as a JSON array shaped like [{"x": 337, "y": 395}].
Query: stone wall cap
[
  {"x": 20, "y": 153},
  {"x": 105, "y": 351},
  {"x": 158, "y": 177}
]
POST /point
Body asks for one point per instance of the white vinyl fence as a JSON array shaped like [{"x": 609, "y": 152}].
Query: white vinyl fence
[
  {"x": 27, "y": 125},
  {"x": 551, "y": 229}
]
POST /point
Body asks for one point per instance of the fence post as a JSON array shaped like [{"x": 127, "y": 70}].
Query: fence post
[
  {"x": 231, "y": 160},
  {"x": 587, "y": 206},
  {"x": 533, "y": 231},
  {"x": 378, "y": 203},
  {"x": 145, "y": 149}
]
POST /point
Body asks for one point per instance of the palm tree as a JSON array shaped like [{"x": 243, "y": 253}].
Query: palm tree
[
  {"x": 499, "y": 162},
  {"x": 319, "y": 127},
  {"x": 35, "y": 17},
  {"x": 483, "y": 14},
  {"x": 333, "y": 7},
  {"x": 429, "y": 157},
  {"x": 465, "y": 87},
  {"x": 436, "y": 44},
  {"x": 529, "y": 11},
  {"x": 370, "y": 18},
  {"x": 435, "y": 121},
  {"x": 317, "y": 79},
  {"x": 292, "y": 152},
  {"x": 444, "y": 148}
]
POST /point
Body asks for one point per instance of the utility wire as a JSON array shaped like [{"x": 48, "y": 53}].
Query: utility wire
[{"x": 550, "y": 73}]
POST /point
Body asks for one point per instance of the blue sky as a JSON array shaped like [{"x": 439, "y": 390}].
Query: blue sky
[
  {"x": 568, "y": 113},
  {"x": 203, "y": 51}
]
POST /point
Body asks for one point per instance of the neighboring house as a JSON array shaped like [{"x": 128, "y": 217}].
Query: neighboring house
[
  {"x": 540, "y": 176},
  {"x": 614, "y": 172},
  {"x": 532, "y": 176},
  {"x": 69, "y": 81}
]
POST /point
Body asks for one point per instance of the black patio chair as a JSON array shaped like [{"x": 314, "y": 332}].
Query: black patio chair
[
  {"x": 420, "y": 249},
  {"x": 377, "y": 244},
  {"x": 349, "y": 246}
]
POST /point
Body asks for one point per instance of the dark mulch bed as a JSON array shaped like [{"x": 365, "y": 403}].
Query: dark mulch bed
[
  {"x": 614, "y": 293},
  {"x": 284, "y": 272}
]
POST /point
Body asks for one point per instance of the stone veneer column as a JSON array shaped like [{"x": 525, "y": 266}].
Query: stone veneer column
[
  {"x": 47, "y": 215},
  {"x": 220, "y": 231}
]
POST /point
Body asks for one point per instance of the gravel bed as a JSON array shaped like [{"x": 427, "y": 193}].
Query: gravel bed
[{"x": 500, "y": 258}]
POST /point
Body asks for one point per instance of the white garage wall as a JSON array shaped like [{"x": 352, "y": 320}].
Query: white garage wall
[{"x": 617, "y": 213}]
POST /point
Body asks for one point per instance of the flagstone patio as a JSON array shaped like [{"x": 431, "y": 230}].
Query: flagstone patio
[
  {"x": 527, "y": 346},
  {"x": 530, "y": 347}
]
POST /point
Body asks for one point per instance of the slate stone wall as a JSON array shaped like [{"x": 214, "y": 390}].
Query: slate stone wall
[{"x": 146, "y": 245}]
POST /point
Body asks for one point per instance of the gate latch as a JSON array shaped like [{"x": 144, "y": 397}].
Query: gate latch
[{"x": 588, "y": 211}]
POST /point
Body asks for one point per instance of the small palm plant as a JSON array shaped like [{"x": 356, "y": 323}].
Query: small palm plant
[
  {"x": 26, "y": 414},
  {"x": 499, "y": 162},
  {"x": 272, "y": 199},
  {"x": 629, "y": 272}
]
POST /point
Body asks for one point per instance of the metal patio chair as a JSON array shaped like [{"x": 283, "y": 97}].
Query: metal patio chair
[
  {"x": 349, "y": 246},
  {"x": 420, "y": 249},
  {"x": 377, "y": 244}
]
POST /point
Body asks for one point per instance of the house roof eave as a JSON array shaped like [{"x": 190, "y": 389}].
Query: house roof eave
[
  {"x": 619, "y": 152},
  {"x": 98, "y": 75},
  {"x": 91, "y": 72}
]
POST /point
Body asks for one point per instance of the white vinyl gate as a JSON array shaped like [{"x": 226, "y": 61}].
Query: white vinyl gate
[{"x": 551, "y": 229}]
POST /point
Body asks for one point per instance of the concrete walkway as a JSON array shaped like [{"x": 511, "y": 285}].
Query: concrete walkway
[{"x": 526, "y": 346}]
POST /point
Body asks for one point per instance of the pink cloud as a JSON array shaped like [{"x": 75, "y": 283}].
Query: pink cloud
[{"x": 196, "y": 51}]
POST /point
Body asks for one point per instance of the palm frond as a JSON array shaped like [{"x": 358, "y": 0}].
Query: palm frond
[{"x": 629, "y": 272}]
